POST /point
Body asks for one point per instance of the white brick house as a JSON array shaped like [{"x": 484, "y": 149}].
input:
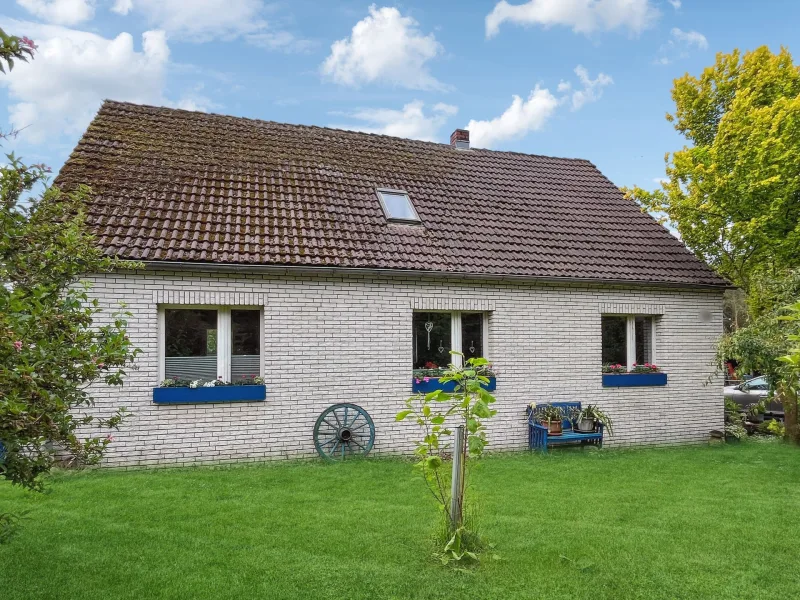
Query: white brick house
[{"x": 308, "y": 279}]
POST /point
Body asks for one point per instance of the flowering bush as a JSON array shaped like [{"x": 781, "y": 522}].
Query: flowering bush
[
  {"x": 14, "y": 48},
  {"x": 196, "y": 383},
  {"x": 609, "y": 368}
]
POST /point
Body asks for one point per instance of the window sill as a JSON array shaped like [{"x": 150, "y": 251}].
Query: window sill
[
  {"x": 634, "y": 379},
  {"x": 202, "y": 395},
  {"x": 425, "y": 387}
]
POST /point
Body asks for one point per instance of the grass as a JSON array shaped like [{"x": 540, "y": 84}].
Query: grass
[{"x": 694, "y": 523}]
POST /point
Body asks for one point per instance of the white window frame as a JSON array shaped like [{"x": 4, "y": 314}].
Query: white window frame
[
  {"x": 630, "y": 337},
  {"x": 455, "y": 331},
  {"x": 224, "y": 340}
]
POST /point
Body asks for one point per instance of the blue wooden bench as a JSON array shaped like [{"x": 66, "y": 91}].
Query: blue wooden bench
[{"x": 539, "y": 437}]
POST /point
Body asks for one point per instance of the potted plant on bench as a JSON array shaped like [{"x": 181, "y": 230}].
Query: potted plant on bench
[
  {"x": 585, "y": 420},
  {"x": 551, "y": 417}
]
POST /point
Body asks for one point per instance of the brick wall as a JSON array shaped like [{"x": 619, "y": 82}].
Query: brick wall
[{"x": 544, "y": 339}]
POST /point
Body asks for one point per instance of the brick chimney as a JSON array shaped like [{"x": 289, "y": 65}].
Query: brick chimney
[{"x": 460, "y": 139}]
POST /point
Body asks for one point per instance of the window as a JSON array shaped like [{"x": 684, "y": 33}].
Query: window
[
  {"x": 245, "y": 344},
  {"x": 211, "y": 343},
  {"x": 190, "y": 344},
  {"x": 628, "y": 339},
  {"x": 614, "y": 340},
  {"x": 644, "y": 340},
  {"x": 397, "y": 206},
  {"x": 472, "y": 335},
  {"x": 436, "y": 333}
]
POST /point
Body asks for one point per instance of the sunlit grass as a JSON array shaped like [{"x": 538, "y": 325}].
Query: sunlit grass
[{"x": 698, "y": 522}]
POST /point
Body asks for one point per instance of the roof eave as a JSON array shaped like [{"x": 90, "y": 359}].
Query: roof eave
[{"x": 299, "y": 269}]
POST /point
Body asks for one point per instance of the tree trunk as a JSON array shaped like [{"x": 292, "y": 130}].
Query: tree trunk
[{"x": 789, "y": 400}]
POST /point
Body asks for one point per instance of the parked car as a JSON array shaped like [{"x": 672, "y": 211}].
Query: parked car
[{"x": 753, "y": 391}]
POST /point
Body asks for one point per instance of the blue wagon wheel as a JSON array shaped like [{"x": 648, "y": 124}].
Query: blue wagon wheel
[{"x": 344, "y": 430}]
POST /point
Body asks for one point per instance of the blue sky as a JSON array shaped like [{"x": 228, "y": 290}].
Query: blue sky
[{"x": 592, "y": 77}]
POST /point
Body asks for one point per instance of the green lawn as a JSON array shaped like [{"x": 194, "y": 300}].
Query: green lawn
[{"x": 693, "y": 523}]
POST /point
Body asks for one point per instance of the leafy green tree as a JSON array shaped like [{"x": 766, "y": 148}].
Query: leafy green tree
[
  {"x": 733, "y": 193},
  {"x": 51, "y": 349},
  {"x": 764, "y": 343},
  {"x": 439, "y": 415},
  {"x": 791, "y": 360}
]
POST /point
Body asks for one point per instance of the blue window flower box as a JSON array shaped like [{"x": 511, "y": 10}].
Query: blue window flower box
[
  {"x": 634, "y": 379},
  {"x": 200, "y": 395},
  {"x": 449, "y": 386}
]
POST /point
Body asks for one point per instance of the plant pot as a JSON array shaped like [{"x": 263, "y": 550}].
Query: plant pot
[
  {"x": 586, "y": 426},
  {"x": 218, "y": 393},
  {"x": 634, "y": 379},
  {"x": 553, "y": 427},
  {"x": 420, "y": 385}
]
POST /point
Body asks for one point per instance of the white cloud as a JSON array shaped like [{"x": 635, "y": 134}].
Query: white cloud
[
  {"x": 122, "y": 7},
  {"x": 518, "y": 119},
  {"x": 583, "y": 16},
  {"x": 680, "y": 45},
  {"x": 202, "y": 20},
  {"x": 196, "y": 104},
  {"x": 384, "y": 47},
  {"x": 690, "y": 38},
  {"x": 523, "y": 117},
  {"x": 60, "y": 12},
  {"x": 194, "y": 100},
  {"x": 205, "y": 20},
  {"x": 59, "y": 92},
  {"x": 592, "y": 88},
  {"x": 410, "y": 122},
  {"x": 676, "y": 4},
  {"x": 279, "y": 40}
]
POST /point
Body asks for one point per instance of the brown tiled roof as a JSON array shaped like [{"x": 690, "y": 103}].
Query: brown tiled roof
[{"x": 172, "y": 185}]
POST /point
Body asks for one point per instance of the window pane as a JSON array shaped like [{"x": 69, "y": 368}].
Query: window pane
[
  {"x": 431, "y": 340},
  {"x": 614, "y": 346},
  {"x": 398, "y": 206},
  {"x": 245, "y": 344},
  {"x": 644, "y": 340},
  {"x": 190, "y": 344},
  {"x": 472, "y": 335}
]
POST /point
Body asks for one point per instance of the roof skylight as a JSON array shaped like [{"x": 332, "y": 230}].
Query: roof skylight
[{"x": 397, "y": 206}]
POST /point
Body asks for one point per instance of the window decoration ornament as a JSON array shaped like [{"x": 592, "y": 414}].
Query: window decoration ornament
[
  {"x": 441, "y": 347},
  {"x": 429, "y": 328},
  {"x": 472, "y": 347}
]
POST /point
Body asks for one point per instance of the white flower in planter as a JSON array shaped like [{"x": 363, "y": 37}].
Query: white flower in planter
[
  {"x": 210, "y": 384},
  {"x": 194, "y": 383}
]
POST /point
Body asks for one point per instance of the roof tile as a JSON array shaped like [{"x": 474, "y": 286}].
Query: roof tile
[{"x": 173, "y": 185}]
